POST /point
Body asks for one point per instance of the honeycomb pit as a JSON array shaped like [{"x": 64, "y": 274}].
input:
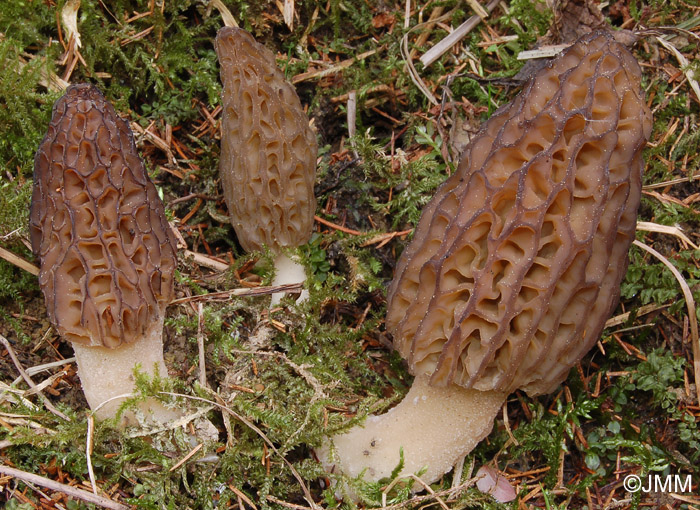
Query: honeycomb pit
[
  {"x": 268, "y": 153},
  {"x": 107, "y": 255},
  {"x": 516, "y": 262}
]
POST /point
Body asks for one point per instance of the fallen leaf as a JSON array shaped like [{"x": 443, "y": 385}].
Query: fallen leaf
[
  {"x": 383, "y": 19},
  {"x": 492, "y": 481}
]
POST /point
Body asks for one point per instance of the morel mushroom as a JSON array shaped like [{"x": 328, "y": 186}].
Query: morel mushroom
[
  {"x": 516, "y": 262},
  {"x": 106, "y": 250},
  {"x": 268, "y": 153}
]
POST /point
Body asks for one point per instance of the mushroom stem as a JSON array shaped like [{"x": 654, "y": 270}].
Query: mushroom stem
[
  {"x": 434, "y": 426},
  {"x": 107, "y": 373},
  {"x": 287, "y": 270}
]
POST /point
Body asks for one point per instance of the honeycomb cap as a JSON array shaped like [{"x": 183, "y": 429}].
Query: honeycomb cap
[
  {"x": 268, "y": 150},
  {"x": 98, "y": 226},
  {"x": 516, "y": 262}
]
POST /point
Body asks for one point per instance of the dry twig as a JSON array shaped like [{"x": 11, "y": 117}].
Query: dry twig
[
  {"x": 200, "y": 346},
  {"x": 88, "y": 451},
  {"x": 228, "y": 294},
  {"x": 457, "y": 35},
  {"x": 187, "y": 457},
  {"x": 69, "y": 490},
  {"x": 648, "y": 226},
  {"x": 6, "y": 343},
  {"x": 18, "y": 261}
]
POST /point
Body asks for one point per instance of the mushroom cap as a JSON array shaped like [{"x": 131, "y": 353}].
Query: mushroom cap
[
  {"x": 268, "y": 150},
  {"x": 516, "y": 262},
  {"x": 98, "y": 226}
]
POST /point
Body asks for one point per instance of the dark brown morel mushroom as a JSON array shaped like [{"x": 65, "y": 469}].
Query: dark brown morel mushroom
[
  {"x": 516, "y": 262},
  {"x": 106, "y": 250},
  {"x": 268, "y": 152}
]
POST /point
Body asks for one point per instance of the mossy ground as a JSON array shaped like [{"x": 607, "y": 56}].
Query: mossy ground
[{"x": 299, "y": 373}]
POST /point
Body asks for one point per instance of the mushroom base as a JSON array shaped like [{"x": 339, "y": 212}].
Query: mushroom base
[
  {"x": 287, "y": 270},
  {"x": 107, "y": 374},
  {"x": 434, "y": 426}
]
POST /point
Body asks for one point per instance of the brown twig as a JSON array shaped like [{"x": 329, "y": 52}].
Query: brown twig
[
  {"x": 227, "y": 294},
  {"x": 338, "y": 227},
  {"x": 88, "y": 451},
  {"x": 454, "y": 37},
  {"x": 200, "y": 346},
  {"x": 18, "y": 261},
  {"x": 187, "y": 457},
  {"x": 6, "y": 343},
  {"x": 417, "y": 500},
  {"x": 333, "y": 69},
  {"x": 61, "y": 487},
  {"x": 206, "y": 261}
]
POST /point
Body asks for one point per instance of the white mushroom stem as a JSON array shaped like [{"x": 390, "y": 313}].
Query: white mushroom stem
[
  {"x": 108, "y": 373},
  {"x": 434, "y": 426},
  {"x": 287, "y": 270}
]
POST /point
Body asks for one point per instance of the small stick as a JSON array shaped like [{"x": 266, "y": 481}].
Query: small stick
[
  {"x": 543, "y": 52},
  {"x": 6, "y": 343},
  {"x": 47, "y": 366},
  {"x": 382, "y": 239},
  {"x": 429, "y": 25},
  {"x": 458, "y": 469},
  {"x": 61, "y": 487},
  {"x": 44, "y": 495},
  {"x": 19, "y": 261},
  {"x": 419, "y": 482},
  {"x": 352, "y": 116},
  {"x": 286, "y": 504},
  {"x": 338, "y": 227},
  {"x": 88, "y": 452},
  {"x": 457, "y": 35},
  {"x": 333, "y": 69},
  {"x": 227, "y": 294},
  {"x": 187, "y": 457},
  {"x": 288, "y": 13},
  {"x": 43, "y": 384},
  {"x": 406, "y": 54},
  {"x": 200, "y": 346},
  {"x": 50, "y": 80},
  {"x": 206, "y": 261},
  {"x": 624, "y": 317},
  {"x": 242, "y": 496},
  {"x": 507, "y": 424},
  {"x": 478, "y": 9},
  {"x": 666, "y": 229},
  {"x": 668, "y": 183},
  {"x": 685, "y": 64}
]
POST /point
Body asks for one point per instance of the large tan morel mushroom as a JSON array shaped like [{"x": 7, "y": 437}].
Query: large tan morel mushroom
[
  {"x": 516, "y": 262},
  {"x": 268, "y": 152},
  {"x": 107, "y": 253}
]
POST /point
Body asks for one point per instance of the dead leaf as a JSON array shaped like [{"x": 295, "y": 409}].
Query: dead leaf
[
  {"x": 383, "y": 19},
  {"x": 492, "y": 481}
]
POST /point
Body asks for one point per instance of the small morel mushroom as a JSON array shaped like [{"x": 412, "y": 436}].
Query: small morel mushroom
[
  {"x": 268, "y": 153},
  {"x": 516, "y": 262},
  {"x": 107, "y": 254}
]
